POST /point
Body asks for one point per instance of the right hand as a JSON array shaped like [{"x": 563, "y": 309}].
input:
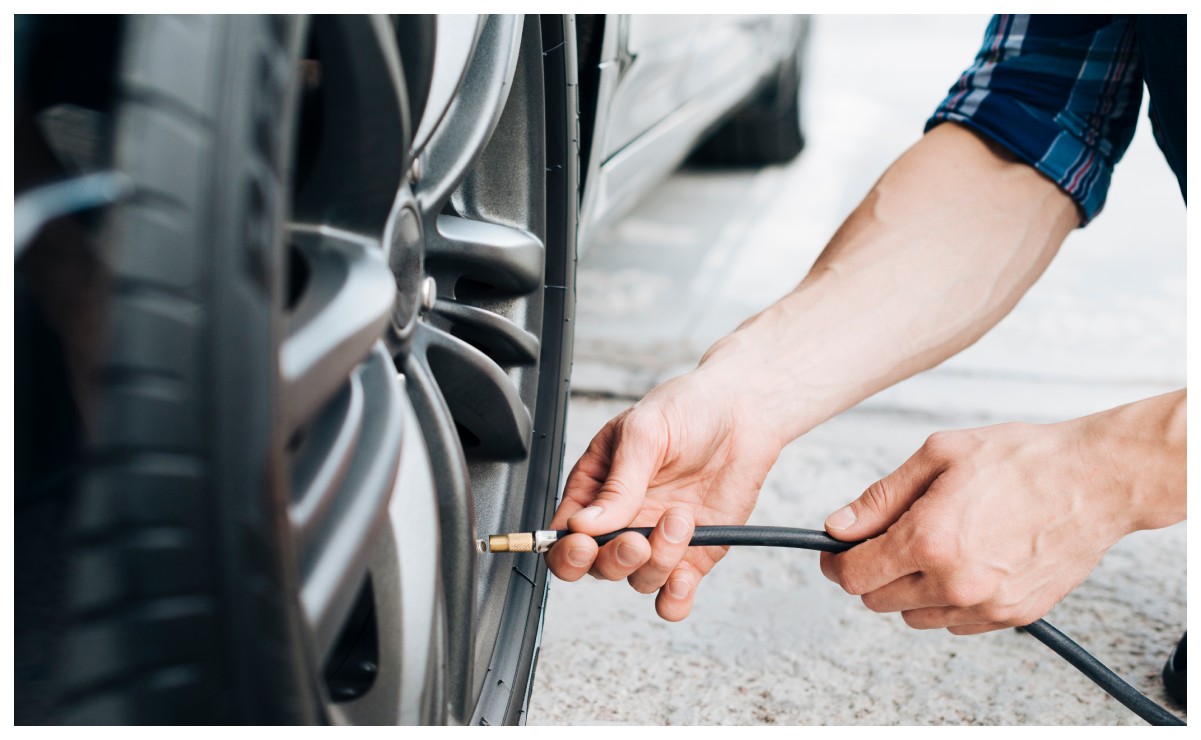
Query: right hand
[{"x": 687, "y": 454}]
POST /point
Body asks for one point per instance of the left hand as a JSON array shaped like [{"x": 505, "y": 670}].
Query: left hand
[{"x": 989, "y": 528}]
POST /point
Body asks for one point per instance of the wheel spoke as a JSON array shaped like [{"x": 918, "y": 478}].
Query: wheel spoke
[
  {"x": 334, "y": 560},
  {"x": 406, "y": 596},
  {"x": 323, "y": 460},
  {"x": 457, "y": 528},
  {"x": 498, "y": 256},
  {"x": 480, "y": 396},
  {"x": 344, "y": 310},
  {"x": 354, "y": 141},
  {"x": 467, "y": 126},
  {"x": 454, "y": 44},
  {"x": 500, "y": 339}
]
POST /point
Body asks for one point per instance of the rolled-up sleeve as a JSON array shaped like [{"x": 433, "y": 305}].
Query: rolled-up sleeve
[{"x": 1061, "y": 92}]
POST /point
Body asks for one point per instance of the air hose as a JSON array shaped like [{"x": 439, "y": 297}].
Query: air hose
[{"x": 812, "y": 539}]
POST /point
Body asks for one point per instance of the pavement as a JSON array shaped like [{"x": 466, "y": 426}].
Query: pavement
[{"x": 770, "y": 640}]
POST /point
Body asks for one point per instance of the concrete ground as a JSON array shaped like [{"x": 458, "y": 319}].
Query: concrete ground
[{"x": 770, "y": 640}]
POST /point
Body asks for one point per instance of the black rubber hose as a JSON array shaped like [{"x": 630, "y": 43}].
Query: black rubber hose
[
  {"x": 815, "y": 539},
  {"x": 1100, "y": 674},
  {"x": 803, "y": 539}
]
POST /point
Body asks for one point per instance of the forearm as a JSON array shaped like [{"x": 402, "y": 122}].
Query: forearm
[{"x": 941, "y": 249}]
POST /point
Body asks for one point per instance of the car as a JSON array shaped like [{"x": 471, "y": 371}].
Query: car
[{"x": 293, "y": 309}]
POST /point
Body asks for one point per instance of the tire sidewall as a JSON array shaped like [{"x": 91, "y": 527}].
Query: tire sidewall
[{"x": 277, "y": 672}]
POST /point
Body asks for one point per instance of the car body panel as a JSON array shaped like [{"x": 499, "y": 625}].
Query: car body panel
[
  {"x": 656, "y": 51},
  {"x": 665, "y": 82}
]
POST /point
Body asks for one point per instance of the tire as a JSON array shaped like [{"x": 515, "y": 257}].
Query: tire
[
  {"x": 767, "y": 130},
  {"x": 290, "y": 431},
  {"x": 155, "y": 622}
]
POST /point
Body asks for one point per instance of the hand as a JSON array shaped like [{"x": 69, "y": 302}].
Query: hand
[
  {"x": 687, "y": 454},
  {"x": 989, "y": 528}
]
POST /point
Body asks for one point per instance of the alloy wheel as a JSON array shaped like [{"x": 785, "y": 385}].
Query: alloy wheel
[{"x": 416, "y": 394}]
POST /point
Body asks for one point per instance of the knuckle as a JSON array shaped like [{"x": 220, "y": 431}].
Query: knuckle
[
  {"x": 600, "y": 447},
  {"x": 1022, "y": 613},
  {"x": 942, "y": 445},
  {"x": 828, "y": 564},
  {"x": 873, "y": 602},
  {"x": 608, "y": 571},
  {"x": 617, "y": 573},
  {"x": 662, "y": 561},
  {"x": 877, "y": 497},
  {"x": 613, "y": 489},
  {"x": 642, "y": 585},
  {"x": 914, "y": 620},
  {"x": 1014, "y": 427},
  {"x": 641, "y": 427},
  {"x": 960, "y": 595},
  {"x": 933, "y": 550},
  {"x": 852, "y": 585},
  {"x": 1023, "y": 617},
  {"x": 995, "y": 613}
]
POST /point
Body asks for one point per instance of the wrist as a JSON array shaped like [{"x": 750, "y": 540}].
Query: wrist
[
  {"x": 1140, "y": 448},
  {"x": 738, "y": 372},
  {"x": 787, "y": 371}
]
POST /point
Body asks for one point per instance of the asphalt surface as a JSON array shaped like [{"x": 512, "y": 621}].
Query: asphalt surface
[{"x": 770, "y": 640}]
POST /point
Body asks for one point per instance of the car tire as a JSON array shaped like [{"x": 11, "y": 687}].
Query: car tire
[
  {"x": 767, "y": 130},
  {"x": 299, "y": 368},
  {"x": 170, "y": 606}
]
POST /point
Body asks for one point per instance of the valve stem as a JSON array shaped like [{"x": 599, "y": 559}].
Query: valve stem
[{"x": 537, "y": 541}]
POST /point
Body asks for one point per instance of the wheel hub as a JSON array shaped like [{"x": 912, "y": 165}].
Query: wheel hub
[{"x": 405, "y": 247}]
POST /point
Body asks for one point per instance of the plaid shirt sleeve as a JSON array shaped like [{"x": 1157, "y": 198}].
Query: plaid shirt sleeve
[{"x": 1060, "y": 92}]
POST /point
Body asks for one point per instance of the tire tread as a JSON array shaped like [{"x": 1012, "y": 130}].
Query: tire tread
[{"x": 141, "y": 576}]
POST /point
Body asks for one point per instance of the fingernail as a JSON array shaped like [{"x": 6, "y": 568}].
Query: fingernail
[
  {"x": 842, "y": 518},
  {"x": 578, "y": 557},
  {"x": 627, "y": 554},
  {"x": 584, "y": 515},
  {"x": 678, "y": 588},
  {"x": 675, "y": 529}
]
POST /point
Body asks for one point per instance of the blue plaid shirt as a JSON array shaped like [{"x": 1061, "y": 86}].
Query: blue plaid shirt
[{"x": 1060, "y": 92}]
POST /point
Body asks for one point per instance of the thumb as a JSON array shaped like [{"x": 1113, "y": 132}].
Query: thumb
[
  {"x": 639, "y": 446},
  {"x": 884, "y": 501}
]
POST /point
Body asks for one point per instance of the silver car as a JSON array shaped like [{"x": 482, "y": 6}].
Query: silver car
[{"x": 294, "y": 324}]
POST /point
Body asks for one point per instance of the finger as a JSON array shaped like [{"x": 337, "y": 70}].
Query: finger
[
  {"x": 674, "y": 601},
  {"x": 825, "y": 561},
  {"x": 572, "y": 556},
  {"x": 914, "y": 591},
  {"x": 638, "y": 448},
  {"x": 938, "y": 617},
  {"x": 586, "y": 476},
  {"x": 976, "y": 629},
  {"x": 625, "y": 554},
  {"x": 885, "y": 500},
  {"x": 871, "y": 565},
  {"x": 669, "y": 542}
]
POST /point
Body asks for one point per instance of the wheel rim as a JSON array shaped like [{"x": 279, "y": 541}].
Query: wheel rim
[{"x": 415, "y": 292}]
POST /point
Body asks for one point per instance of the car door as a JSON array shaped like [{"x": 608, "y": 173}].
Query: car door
[
  {"x": 656, "y": 51},
  {"x": 728, "y": 49}
]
